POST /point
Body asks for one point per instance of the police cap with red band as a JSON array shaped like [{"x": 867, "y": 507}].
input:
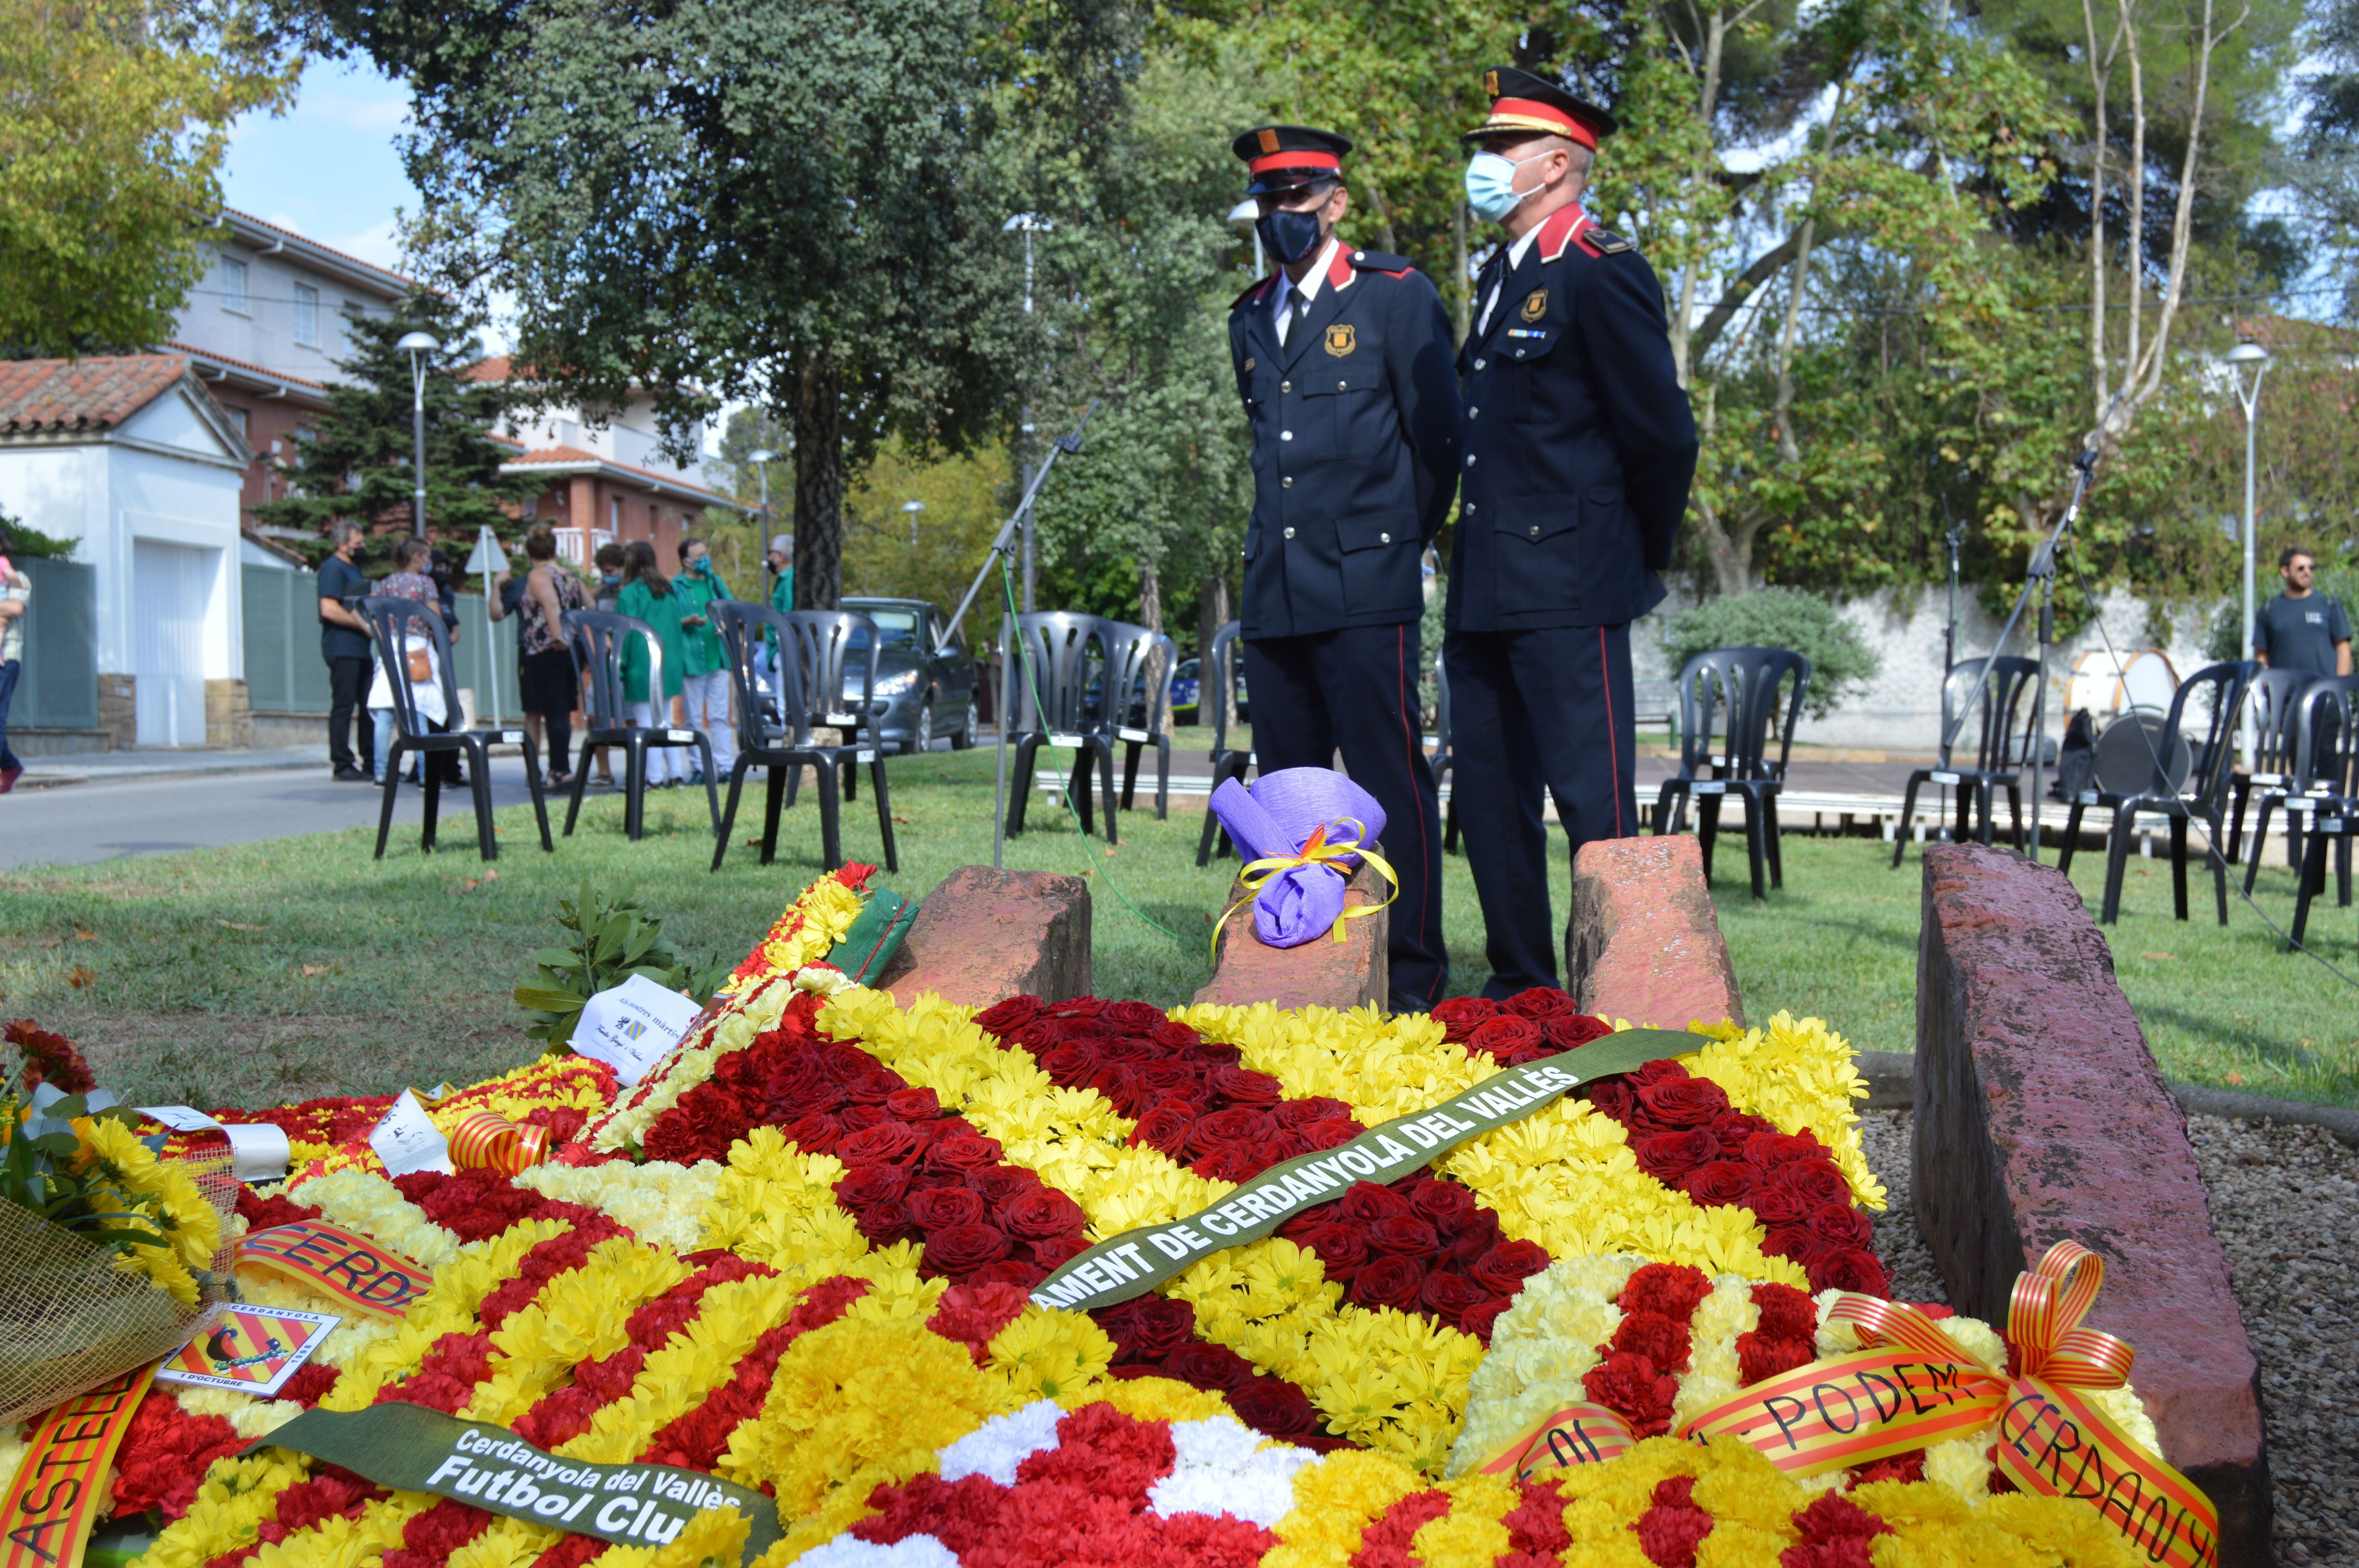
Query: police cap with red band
[
  {"x": 1285, "y": 158},
  {"x": 1523, "y": 105}
]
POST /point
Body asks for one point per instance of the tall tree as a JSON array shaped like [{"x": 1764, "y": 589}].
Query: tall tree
[
  {"x": 114, "y": 116},
  {"x": 360, "y": 462},
  {"x": 774, "y": 199}
]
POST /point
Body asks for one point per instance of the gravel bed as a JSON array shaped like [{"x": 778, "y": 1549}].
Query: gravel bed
[{"x": 2285, "y": 1204}]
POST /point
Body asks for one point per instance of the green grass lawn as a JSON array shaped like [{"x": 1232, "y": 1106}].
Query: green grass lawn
[{"x": 299, "y": 967}]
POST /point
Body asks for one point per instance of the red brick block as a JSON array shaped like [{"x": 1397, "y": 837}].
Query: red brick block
[
  {"x": 2041, "y": 1117},
  {"x": 1644, "y": 943},
  {"x": 1324, "y": 973},
  {"x": 984, "y": 934}
]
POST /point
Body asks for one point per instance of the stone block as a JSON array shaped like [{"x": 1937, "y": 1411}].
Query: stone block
[
  {"x": 1643, "y": 942},
  {"x": 1324, "y": 973},
  {"x": 229, "y": 721},
  {"x": 118, "y": 710},
  {"x": 2041, "y": 1117},
  {"x": 986, "y": 935}
]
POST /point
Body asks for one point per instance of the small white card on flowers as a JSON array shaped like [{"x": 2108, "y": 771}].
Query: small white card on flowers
[
  {"x": 630, "y": 1026},
  {"x": 406, "y": 1138},
  {"x": 258, "y": 1151}
]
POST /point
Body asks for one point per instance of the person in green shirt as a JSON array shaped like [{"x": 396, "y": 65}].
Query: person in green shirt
[
  {"x": 704, "y": 684},
  {"x": 648, "y": 595},
  {"x": 781, "y": 562}
]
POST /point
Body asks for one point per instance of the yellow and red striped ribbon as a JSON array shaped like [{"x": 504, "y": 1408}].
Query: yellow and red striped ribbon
[
  {"x": 1578, "y": 1434},
  {"x": 489, "y": 1139},
  {"x": 2043, "y": 1322}
]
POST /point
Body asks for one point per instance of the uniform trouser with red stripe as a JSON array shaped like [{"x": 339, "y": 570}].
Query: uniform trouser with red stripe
[
  {"x": 1355, "y": 690},
  {"x": 1531, "y": 710}
]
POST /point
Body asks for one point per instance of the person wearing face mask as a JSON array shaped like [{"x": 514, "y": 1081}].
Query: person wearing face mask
[
  {"x": 1343, "y": 359},
  {"x": 1579, "y": 449}
]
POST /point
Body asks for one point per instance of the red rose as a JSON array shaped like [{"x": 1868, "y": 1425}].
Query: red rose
[
  {"x": 1460, "y": 1014},
  {"x": 1275, "y": 1408},
  {"x": 912, "y": 1105},
  {"x": 1795, "y": 1241},
  {"x": 1164, "y": 1127},
  {"x": 1503, "y": 1270},
  {"x": 1173, "y": 1035},
  {"x": 1683, "y": 1102},
  {"x": 1768, "y": 1150},
  {"x": 886, "y": 1143},
  {"x": 962, "y": 1249},
  {"x": 1761, "y": 1355},
  {"x": 1004, "y": 1018},
  {"x": 1655, "y": 1337},
  {"x": 865, "y": 1184},
  {"x": 1159, "y": 1325},
  {"x": 1474, "y": 1237},
  {"x": 1404, "y": 1236},
  {"x": 1077, "y": 1007},
  {"x": 1478, "y": 1321},
  {"x": 1299, "y": 1113},
  {"x": 1169, "y": 1080},
  {"x": 885, "y": 1223},
  {"x": 1231, "y": 1162},
  {"x": 966, "y": 1153},
  {"x": 1668, "y": 1156},
  {"x": 1842, "y": 1224},
  {"x": 1505, "y": 1035},
  {"x": 1663, "y": 1070},
  {"x": 1786, "y": 1313},
  {"x": 1446, "y": 1204},
  {"x": 1816, "y": 1181},
  {"x": 1722, "y": 1181},
  {"x": 1043, "y": 1211},
  {"x": 1368, "y": 1202},
  {"x": 1055, "y": 1251},
  {"x": 1330, "y": 1133},
  {"x": 1734, "y": 1128},
  {"x": 875, "y": 1087},
  {"x": 1540, "y": 1002},
  {"x": 817, "y": 1133},
  {"x": 1673, "y": 1289},
  {"x": 1118, "y": 1081},
  {"x": 1632, "y": 1386},
  {"x": 1571, "y": 1031},
  {"x": 1239, "y": 1126},
  {"x": 1242, "y": 1085},
  {"x": 1775, "y": 1205},
  {"x": 1341, "y": 1246},
  {"x": 1205, "y": 1365},
  {"x": 1852, "y": 1269},
  {"x": 1070, "y": 1064},
  {"x": 940, "y": 1208},
  {"x": 1392, "y": 1282},
  {"x": 1612, "y": 1097},
  {"x": 1000, "y": 1182},
  {"x": 1449, "y": 1296},
  {"x": 1016, "y": 1271},
  {"x": 857, "y": 1116}
]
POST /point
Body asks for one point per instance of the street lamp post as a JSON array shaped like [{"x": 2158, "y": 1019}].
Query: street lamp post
[
  {"x": 418, "y": 345},
  {"x": 1029, "y": 224},
  {"x": 910, "y": 509},
  {"x": 2249, "y": 396},
  {"x": 1246, "y": 218}
]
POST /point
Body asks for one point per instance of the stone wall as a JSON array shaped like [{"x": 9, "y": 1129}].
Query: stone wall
[
  {"x": 118, "y": 710},
  {"x": 228, "y": 721}
]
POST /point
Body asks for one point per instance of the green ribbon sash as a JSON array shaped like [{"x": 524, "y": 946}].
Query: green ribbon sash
[
  {"x": 1135, "y": 1262},
  {"x": 414, "y": 1449}
]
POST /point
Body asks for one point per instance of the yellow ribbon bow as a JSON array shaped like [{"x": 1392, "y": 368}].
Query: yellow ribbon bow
[
  {"x": 1318, "y": 851},
  {"x": 489, "y": 1138}
]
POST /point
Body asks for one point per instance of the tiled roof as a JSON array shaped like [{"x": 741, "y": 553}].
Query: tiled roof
[
  {"x": 246, "y": 366},
  {"x": 2274, "y": 332},
  {"x": 82, "y": 394},
  {"x": 561, "y": 455},
  {"x": 575, "y": 456},
  {"x": 306, "y": 239},
  {"x": 499, "y": 367}
]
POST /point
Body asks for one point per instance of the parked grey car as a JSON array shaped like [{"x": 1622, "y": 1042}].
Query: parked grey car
[{"x": 926, "y": 682}]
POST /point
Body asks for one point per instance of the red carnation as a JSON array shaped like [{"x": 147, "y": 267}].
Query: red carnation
[
  {"x": 1655, "y": 1337},
  {"x": 1683, "y": 1102},
  {"x": 1004, "y": 1018},
  {"x": 1633, "y": 1386},
  {"x": 1668, "y": 1156},
  {"x": 1669, "y": 1531},
  {"x": 1760, "y": 1355},
  {"x": 962, "y": 1249},
  {"x": 1446, "y": 1204},
  {"x": 1041, "y": 1214},
  {"x": 1673, "y": 1289},
  {"x": 865, "y": 1184},
  {"x": 1505, "y": 1268},
  {"x": 1404, "y": 1236},
  {"x": 1786, "y": 1313},
  {"x": 51, "y": 1059},
  {"x": 1720, "y": 1182},
  {"x": 1833, "y": 1516},
  {"x": 1275, "y": 1408},
  {"x": 1390, "y": 1282},
  {"x": 972, "y": 1314},
  {"x": 1205, "y": 1365},
  {"x": 1368, "y": 1203},
  {"x": 1505, "y": 1035},
  {"x": 939, "y": 1208}
]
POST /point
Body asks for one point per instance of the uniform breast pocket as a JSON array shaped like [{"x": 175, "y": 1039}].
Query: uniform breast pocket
[
  {"x": 1537, "y": 547},
  {"x": 1521, "y": 355},
  {"x": 1343, "y": 404},
  {"x": 1380, "y": 563}
]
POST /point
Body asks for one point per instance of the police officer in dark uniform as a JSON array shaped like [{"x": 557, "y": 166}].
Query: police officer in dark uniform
[
  {"x": 1343, "y": 360},
  {"x": 1579, "y": 449}
]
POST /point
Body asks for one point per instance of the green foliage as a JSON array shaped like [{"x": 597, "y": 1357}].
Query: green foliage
[
  {"x": 116, "y": 121},
  {"x": 1778, "y": 618},
  {"x": 31, "y": 543},
  {"x": 612, "y": 939},
  {"x": 362, "y": 462}
]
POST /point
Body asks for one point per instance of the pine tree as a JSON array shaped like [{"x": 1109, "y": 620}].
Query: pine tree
[{"x": 360, "y": 465}]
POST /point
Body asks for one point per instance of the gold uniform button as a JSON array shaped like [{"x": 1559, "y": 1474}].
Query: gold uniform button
[
  {"x": 1286, "y": 483},
  {"x": 1290, "y": 532}
]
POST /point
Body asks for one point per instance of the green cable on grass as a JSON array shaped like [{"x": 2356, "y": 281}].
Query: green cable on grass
[{"x": 1064, "y": 781}]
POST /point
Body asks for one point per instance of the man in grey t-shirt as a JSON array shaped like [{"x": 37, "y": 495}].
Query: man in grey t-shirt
[{"x": 2301, "y": 629}]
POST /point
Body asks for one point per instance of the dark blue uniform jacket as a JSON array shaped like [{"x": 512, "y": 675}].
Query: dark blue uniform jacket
[
  {"x": 1355, "y": 445},
  {"x": 1580, "y": 444}
]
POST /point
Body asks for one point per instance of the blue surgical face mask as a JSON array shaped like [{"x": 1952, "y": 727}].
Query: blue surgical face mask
[
  {"x": 1490, "y": 190},
  {"x": 610, "y": 579},
  {"x": 1289, "y": 236}
]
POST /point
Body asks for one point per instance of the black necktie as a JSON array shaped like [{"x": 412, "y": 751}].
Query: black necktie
[
  {"x": 1297, "y": 306},
  {"x": 1490, "y": 297}
]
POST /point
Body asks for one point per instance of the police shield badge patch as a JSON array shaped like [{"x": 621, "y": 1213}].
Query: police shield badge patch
[
  {"x": 1537, "y": 305},
  {"x": 1340, "y": 341}
]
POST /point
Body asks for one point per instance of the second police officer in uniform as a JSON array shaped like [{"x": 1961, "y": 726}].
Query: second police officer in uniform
[
  {"x": 1343, "y": 360},
  {"x": 1579, "y": 449}
]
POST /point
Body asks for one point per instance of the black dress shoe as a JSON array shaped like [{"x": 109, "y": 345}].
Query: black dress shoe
[{"x": 352, "y": 775}]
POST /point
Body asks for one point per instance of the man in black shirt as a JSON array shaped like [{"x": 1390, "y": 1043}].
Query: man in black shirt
[
  {"x": 2301, "y": 629},
  {"x": 344, "y": 643}
]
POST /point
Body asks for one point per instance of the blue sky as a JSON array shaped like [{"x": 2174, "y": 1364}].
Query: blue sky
[{"x": 328, "y": 168}]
